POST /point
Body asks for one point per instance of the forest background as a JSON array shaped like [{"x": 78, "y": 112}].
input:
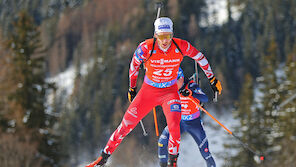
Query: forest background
[{"x": 252, "y": 52}]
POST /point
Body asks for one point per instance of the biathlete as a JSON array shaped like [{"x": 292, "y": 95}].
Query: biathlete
[
  {"x": 161, "y": 57},
  {"x": 190, "y": 93}
]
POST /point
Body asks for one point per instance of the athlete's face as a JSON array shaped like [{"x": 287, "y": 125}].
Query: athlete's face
[{"x": 164, "y": 39}]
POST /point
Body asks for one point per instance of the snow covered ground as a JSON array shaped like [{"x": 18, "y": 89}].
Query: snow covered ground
[
  {"x": 217, "y": 136},
  {"x": 64, "y": 82}
]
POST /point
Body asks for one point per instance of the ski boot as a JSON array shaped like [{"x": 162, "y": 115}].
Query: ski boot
[
  {"x": 163, "y": 164},
  {"x": 172, "y": 160},
  {"x": 100, "y": 161}
]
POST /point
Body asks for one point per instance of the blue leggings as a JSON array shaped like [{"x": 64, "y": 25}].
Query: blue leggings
[{"x": 195, "y": 129}]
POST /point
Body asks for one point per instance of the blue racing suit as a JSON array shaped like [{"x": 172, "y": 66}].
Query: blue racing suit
[{"x": 191, "y": 123}]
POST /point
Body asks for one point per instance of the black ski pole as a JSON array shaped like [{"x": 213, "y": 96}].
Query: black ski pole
[{"x": 261, "y": 156}]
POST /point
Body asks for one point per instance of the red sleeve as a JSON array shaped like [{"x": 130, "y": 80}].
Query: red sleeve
[
  {"x": 139, "y": 56},
  {"x": 189, "y": 50}
]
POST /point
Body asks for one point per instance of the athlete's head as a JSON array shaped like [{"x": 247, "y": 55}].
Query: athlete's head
[
  {"x": 163, "y": 31},
  {"x": 163, "y": 24}
]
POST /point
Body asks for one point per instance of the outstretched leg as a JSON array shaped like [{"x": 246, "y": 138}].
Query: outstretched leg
[
  {"x": 138, "y": 109},
  {"x": 196, "y": 130}
]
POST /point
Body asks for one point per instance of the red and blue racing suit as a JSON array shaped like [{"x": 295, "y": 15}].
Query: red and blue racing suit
[{"x": 159, "y": 88}]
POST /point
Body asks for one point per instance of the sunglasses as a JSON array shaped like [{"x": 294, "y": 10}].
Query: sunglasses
[{"x": 165, "y": 36}]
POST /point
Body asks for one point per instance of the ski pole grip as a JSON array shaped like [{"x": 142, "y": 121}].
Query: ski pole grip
[{"x": 216, "y": 97}]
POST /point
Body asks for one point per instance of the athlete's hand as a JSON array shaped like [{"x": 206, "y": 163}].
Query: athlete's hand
[
  {"x": 186, "y": 92},
  {"x": 131, "y": 94},
  {"x": 216, "y": 85}
]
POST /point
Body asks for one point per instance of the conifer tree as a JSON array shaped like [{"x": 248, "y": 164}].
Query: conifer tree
[
  {"x": 258, "y": 121},
  {"x": 268, "y": 86},
  {"x": 286, "y": 115},
  {"x": 26, "y": 111},
  {"x": 247, "y": 114}
]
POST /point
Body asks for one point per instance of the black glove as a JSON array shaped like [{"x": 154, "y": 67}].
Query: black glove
[
  {"x": 131, "y": 94},
  {"x": 185, "y": 92},
  {"x": 216, "y": 85}
]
